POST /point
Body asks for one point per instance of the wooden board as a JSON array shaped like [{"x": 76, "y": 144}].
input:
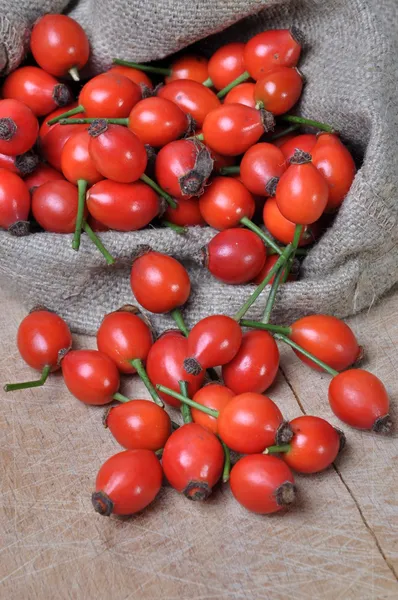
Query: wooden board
[{"x": 339, "y": 541}]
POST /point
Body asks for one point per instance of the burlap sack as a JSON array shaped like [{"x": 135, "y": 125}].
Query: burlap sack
[{"x": 350, "y": 67}]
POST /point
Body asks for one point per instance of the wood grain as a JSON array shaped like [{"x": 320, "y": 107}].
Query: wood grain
[{"x": 338, "y": 541}]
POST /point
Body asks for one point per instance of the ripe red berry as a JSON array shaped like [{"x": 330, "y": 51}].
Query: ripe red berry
[
  {"x": 192, "y": 97},
  {"x": 157, "y": 121},
  {"x": 226, "y": 64},
  {"x": 241, "y": 94},
  {"x": 54, "y": 206},
  {"x": 109, "y": 95},
  {"x": 14, "y": 202},
  {"x": 212, "y": 395},
  {"x": 18, "y": 127},
  {"x": 76, "y": 162},
  {"x": 261, "y": 167},
  {"x": 272, "y": 48},
  {"x": 304, "y": 142},
  {"x": 21, "y": 165},
  {"x": 41, "y": 175},
  {"x": 225, "y": 202},
  {"x": 187, "y": 213},
  {"x": 91, "y": 376},
  {"x": 279, "y": 89},
  {"x": 135, "y": 75},
  {"x": 281, "y": 228}
]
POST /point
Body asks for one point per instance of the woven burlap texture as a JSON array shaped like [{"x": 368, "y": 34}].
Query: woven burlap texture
[{"x": 350, "y": 67}]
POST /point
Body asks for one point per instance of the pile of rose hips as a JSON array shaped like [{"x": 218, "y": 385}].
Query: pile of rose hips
[{"x": 177, "y": 145}]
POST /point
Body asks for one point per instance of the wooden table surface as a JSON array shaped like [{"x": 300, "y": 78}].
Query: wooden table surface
[{"x": 339, "y": 541}]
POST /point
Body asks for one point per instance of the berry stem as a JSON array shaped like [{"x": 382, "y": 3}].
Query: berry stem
[
  {"x": 296, "y": 239},
  {"x": 208, "y": 82},
  {"x": 266, "y": 326},
  {"x": 183, "y": 399},
  {"x": 277, "y": 136},
  {"x": 179, "y": 319},
  {"x": 272, "y": 295},
  {"x": 277, "y": 449},
  {"x": 230, "y": 170},
  {"x": 174, "y": 227},
  {"x": 320, "y": 363},
  {"x": 279, "y": 263},
  {"x": 185, "y": 409},
  {"x": 68, "y": 113},
  {"x": 158, "y": 189},
  {"x": 141, "y": 372},
  {"x": 266, "y": 239},
  {"x": 308, "y": 122},
  {"x": 199, "y": 137},
  {"x": 244, "y": 77},
  {"x": 91, "y": 120},
  {"x": 95, "y": 239},
  {"x": 146, "y": 68},
  {"x": 74, "y": 73},
  {"x": 82, "y": 188},
  {"x": 12, "y": 387},
  {"x": 120, "y": 398},
  {"x": 227, "y": 463}
]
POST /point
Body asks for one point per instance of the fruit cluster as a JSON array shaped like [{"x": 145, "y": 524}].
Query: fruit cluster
[{"x": 136, "y": 152}]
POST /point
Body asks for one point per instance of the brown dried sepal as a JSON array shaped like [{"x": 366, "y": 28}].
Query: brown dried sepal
[
  {"x": 97, "y": 127},
  {"x": 285, "y": 494},
  {"x": 19, "y": 229},
  {"x": 61, "y": 95},
  {"x": 192, "y": 183},
  {"x": 197, "y": 490}
]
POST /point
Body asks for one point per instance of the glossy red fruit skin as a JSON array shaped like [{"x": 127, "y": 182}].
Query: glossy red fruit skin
[
  {"x": 279, "y": 90},
  {"x": 159, "y": 282},
  {"x": 275, "y": 47},
  {"x": 281, "y": 228},
  {"x": 314, "y": 446},
  {"x": 261, "y": 164},
  {"x": 235, "y": 256},
  {"x": 59, "y": 43},
  {"x": 226, "y": 64},
  {"x": 187, "y": 213},
  {"x": 192, "y": 461},
  {"x": 269, "y": 264},
  {"x": 135, "y": 75},
  {"x": 76, "y": 162},
  {"x": 255, "y": 480},
  {"x": 157, "y": 121},
  {"x": 212, "y": 395},
  {"x": 22, "y": 165},
  {"x": 358, "y": 398},
  {"x": 139, "y": 424},
  {"x": 37, "y": 89},
  {"x": 118, "y": 154},
  {"x": 91, "y": 376},
  {"x": 46, "y": 128},
  {"x": 337, "y": 166},
  {"x": 123, "y": 206},
  {"x": 42, "y": 336},
  {"x": 232, "y": 128},
  {"x": 242, "y": 94},
  {"x": 214, "y": 340},
  {"x": 328, "y": 338},
  {"x": 191, "y": 67},
  {"x": 249, "y": 423},
  {"x": 25, "y": 127},
  {"x": 304, "y": 142},
  {"x": 124, "y": 336},
  {"x": 255, "y": 366},
  {"x": 165, "y": 366},
  {"x": 54, "y": 206},
  {"x": 302, "y": 194},
  {"x": 173, "y": 162},
  {"x": 52, "y": 138},
  {"x": 225, "y": 202},
  {"x": 109, "y": 95},
  {"x": 42, "y": 175},
  {"x": 14, "y": 199},
  {"x": 96, "y": 225},
  {"x": 192, "y": 97},
  {"x": 131, "y": 479}
]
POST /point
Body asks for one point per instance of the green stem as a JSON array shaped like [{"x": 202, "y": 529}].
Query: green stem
[
  {"x": 120, "y": 398},
  {"x": 74, "y": 73},
  {"x": 272, "y": 295},
  {"x": 227, "y": 463},
  {"x": 279, "y": 263},
  {"x": 185, "y": 410},
  {"x": 280, "y": 134},
  {"x": 230, "y": 170},
  {"x": 266, "y": 326},
  {"x": 199, "y": 137},
  {"x": 12, "y": 387},
  {"x": 174, "y": 227},
  {"x": 159, "y": 453},
  {"x": 277, "y": 449},
  {"x": 183, "y": 399},
  {"x": 244, "y": 77},
  {"x": 139, "y": 367},
  {"x": 266, "y": 239},
  {"x": 320, "y": 363},
  {"x": 95, "y": 239},
  {"x": 159, "y": 190},
  {"x": 309, "y": 122},
  {"x": 146, "y": 68},
  {"x": 82, "y": 188},
  {"x": 208, "y": 82},
  {"x": 296, "y": 240},
  {"x": 68, "y": 113},
  {"x": 91, "y": 120},
  {"x": 179, "y": 319}
]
